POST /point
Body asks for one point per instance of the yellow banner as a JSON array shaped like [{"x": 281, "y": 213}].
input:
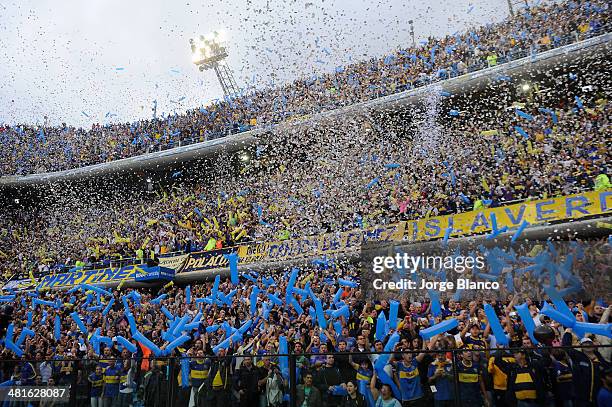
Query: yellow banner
[
  {"x": 175, "y": 263},
  {"x": 534, "y": 212},
  {"x": 99, "y": 276}
]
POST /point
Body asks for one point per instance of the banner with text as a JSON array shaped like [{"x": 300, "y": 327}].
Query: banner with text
[
  {"x": 534, "y": 212},
  {"x": 212, "y": 259},
  {"x": 323, "y": 245},
  {"x": 100, "y": 276}
]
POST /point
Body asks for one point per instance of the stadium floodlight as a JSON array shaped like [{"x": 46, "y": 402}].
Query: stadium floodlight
[{"x": 210, "y": 52}]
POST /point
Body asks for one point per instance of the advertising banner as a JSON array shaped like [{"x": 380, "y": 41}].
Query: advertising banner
[
  {"x": 534, "y": 212},
  {"x": 207, "y": 260},
  {"x": 109, "y": 275}
]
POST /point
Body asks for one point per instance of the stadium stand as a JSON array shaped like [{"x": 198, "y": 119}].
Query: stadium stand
[{"x": 84, "y": 308}]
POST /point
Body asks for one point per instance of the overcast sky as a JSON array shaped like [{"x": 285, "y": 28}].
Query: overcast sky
[{"x": 60, "y": 58}]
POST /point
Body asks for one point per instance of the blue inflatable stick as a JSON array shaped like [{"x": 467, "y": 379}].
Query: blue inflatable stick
[
  {"x": 188, "y": 294},
  {"x": 436, "y": 308},
  {"x": 596, "y": 329},
  {"x": 185, "y": 373},
  {"x": 96, "y": 289},
  {"x": 381, "y": 327},
  {"x": 296, "y": 305},
  {"x": 146, "y": 342},
  {"x": 283, "y": 361},
  {"x": 496, "y": 327},
  {"x": 523, "y": 312},
  {"x": 275, "y": 300},
  {"x": 108, "y": 307},
  {"x": 126, "y": 344},
  {"x": 320, "y": 315},
  {"x": 253, "y": 301},
  {"x": 57, "y": 333},
  {"x": 393, "y": 310},
  {"x": 159, "y": 299},
  {"x": 557, "y": 300},
  {"x": 439, "y": 328},
  {"x": 79, "y": 322},
  {"x": 43, "y": 302},
  {"x": 342, "y": 311},
  {"x": 167, "y": 312},
  {"x": 176, "y": 343},
  {"x": 233, "y": 266},
  {"x": 560, "y": 317},
  {"x": 348, "y": 283}
]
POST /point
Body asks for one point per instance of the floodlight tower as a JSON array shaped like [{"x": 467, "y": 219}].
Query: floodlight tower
[{"x": 210, "y": 52}]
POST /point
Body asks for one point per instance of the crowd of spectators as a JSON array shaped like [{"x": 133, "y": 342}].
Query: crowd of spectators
[
  {"x": 253, "y": 373},
  {"x": 336, "y": 176},
  {"x": 30, "y": 148}
]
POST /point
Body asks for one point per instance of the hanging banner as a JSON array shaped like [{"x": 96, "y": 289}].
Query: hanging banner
[
  {"x": 534, "y": 212},
  {"x": 211, "y": 259},
  {"x": 100, "y": 276},
  {"x": 175, "y": 263},
  {"x": 318, "y": 246}
]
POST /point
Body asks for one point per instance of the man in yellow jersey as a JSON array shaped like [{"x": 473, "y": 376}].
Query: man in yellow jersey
[
  {"x": 526, "y": 386},
  {"x": 500, "y": 379}
]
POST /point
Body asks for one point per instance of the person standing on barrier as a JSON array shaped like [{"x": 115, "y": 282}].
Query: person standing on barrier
[
  {"x": 155, "y": 386},
  {"x": 500, "y": 379},
  {"x": 471, "y": 384},
  {"x": 219, "y": 381},
  {"x": 97, "y": 382},
  {"x": 275, "y": 386}
]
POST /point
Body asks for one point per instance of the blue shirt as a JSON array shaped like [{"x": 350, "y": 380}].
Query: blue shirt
[
  {"x": 112, "y": 375},
  {"x": 444, "y": 385},
  {"x": 96, "y": 385},
  {"x": 409, "y": 380},
  {"x": 604, "y": 398},
  {"x": 469, "y": 381}
]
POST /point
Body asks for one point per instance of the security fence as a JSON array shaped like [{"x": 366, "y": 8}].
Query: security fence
[{"x": 442, "y": 377}]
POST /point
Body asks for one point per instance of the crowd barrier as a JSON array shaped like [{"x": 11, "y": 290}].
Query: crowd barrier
[{"x": 184, "y": 381}]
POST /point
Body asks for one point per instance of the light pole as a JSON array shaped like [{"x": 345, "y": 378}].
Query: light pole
[{"x": 209, "y": 52}]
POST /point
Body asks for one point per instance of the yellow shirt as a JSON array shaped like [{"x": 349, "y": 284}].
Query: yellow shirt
[{"x": 217, "y": 382}]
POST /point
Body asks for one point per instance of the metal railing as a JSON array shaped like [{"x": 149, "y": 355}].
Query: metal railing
[{"x": 185, "y": 381}]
